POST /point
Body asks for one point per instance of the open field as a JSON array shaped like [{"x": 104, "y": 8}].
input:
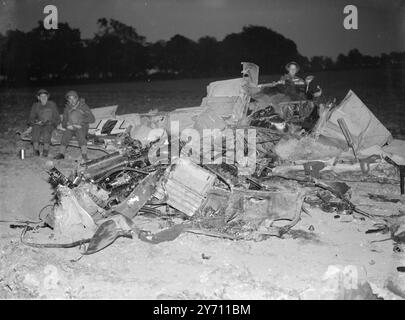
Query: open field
[
  {"x": 191, "y": 266},
  {"x": 382, "y": 91}
]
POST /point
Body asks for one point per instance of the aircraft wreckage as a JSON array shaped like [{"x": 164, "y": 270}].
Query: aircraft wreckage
[{"x": 235, "y": 167}]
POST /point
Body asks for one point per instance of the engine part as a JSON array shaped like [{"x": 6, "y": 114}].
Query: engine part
[
  {"x": 140, "y": 195},
  {"x": 97, "y": 168},
  {"x": 58, "y": 178}
]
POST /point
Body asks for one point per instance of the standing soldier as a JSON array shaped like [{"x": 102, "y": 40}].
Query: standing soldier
[
  {"x": 76, "y": 119},
  {"x": 44, "y": 118}
]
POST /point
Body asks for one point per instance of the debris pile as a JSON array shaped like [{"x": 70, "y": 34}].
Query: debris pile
[{"x": 198, "y": 170}]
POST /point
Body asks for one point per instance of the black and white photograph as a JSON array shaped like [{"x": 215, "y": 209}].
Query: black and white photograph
[{"x": 202, "y": 150}]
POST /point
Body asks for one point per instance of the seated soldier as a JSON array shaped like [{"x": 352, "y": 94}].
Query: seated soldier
[
  {"x": 299, "y": 90},
  {"x": 76, "y": 119},
  {"x": 294, "y": 86},
  {"x": 281, "y": 94},
  {"x": 44, "y": 118}
]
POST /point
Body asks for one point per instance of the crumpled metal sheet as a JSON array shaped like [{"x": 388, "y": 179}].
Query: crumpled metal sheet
[{"x": 140, "y": 195}]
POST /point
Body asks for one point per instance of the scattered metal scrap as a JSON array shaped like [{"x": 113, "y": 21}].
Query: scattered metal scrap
[{"x": 298, "y": 144}]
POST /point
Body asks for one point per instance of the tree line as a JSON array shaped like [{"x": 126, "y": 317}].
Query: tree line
[{"x": 117, "y": 52}]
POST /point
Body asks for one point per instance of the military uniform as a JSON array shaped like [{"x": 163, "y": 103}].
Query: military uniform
[
  {"x": 44, "y": 119},
  {"x": 294, "y": 87},
  {"x": 76, "y": 115}
]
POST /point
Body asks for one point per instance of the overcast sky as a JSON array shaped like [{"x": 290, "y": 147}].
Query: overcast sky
[{"x": 316, "y": 26}]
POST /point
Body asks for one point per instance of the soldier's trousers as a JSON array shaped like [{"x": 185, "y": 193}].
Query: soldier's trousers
[
  {"x": 45, "y": 131},
  {"x": 81, "y": 135}
]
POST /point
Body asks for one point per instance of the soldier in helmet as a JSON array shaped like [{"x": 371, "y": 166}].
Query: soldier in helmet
[
  {"x": 290, "y": 87},
  {"x": 297, "y": 88},
  {"x": 76, "y": 119},
  {"x": 44, "y": 118}
]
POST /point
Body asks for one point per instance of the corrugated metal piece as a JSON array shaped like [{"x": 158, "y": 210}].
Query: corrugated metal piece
[{"x": 187, "y": 186}]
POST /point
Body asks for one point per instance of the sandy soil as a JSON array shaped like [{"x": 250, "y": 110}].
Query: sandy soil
[{"x": 192, "y": 266}]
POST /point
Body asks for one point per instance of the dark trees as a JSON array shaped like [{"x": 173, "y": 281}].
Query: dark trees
[{"x": 118, "y": 52}]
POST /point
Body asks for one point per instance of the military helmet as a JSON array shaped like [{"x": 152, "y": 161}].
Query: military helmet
[
  {"x": 42, "y": 91},
  {"x": 287, "y": 66},
  {"x": 71, "y": 93}
]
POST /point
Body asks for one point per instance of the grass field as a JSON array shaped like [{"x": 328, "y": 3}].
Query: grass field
[{"x": 382, "y": 91}]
